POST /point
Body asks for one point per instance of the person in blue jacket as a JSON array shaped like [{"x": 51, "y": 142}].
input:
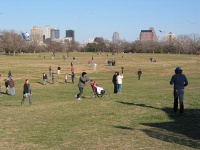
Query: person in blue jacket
[{"x": 179, "y": 81}]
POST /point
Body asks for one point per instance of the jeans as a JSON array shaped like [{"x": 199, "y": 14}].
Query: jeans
[
  {"x": 45, "y": 81},
  {"x": 30, "y": 99},
  {"x": 119, "y": 89},
  {"x": 80, "y": 92},
  {"x": 12, "y": 91},
  {"x": 178, "y": 94},
  {"x": 72, "y": 80}
]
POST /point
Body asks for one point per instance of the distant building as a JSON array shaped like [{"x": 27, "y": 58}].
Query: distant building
[
  {"x": 70, "y": 33},
  {"x": 55, "y": 33},
  {"x": 36, "y": 35},
  {"x": 169, "y": 37},
  {"x": 148, "y": 35},
  {"x": 91, "y": 40},
  {"x": 47, "y": 32},
  {"x": 115, "y": 38}
]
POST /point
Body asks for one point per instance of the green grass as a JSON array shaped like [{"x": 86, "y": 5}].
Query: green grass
[{"x": 138, "y": 118}]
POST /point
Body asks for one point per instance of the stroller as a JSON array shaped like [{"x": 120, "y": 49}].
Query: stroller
[{"x": 98, "y": 91}]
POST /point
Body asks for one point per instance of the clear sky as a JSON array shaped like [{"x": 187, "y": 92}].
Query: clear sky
[{"x": 101, "y": 18}]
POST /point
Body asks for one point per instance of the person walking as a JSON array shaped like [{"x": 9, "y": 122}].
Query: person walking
[
  {"x": 119, "y": 82},
  {"x": 114, "y": 81},
  {"x": 44, "y": 79},
  {"x": 139, "y": 74},
  {"x": 12, "y": 87},
  {"x": 27, "y": 92},
  {"x": 59, "y": 68},
  {"x": 81, "y": 84},
  {"x": 179, "y": 81}
]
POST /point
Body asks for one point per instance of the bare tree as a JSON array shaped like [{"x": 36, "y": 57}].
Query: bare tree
[{"x": 11, "y": 41}]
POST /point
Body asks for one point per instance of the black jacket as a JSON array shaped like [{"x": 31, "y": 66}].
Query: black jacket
[{"x": 27, "y": 88}]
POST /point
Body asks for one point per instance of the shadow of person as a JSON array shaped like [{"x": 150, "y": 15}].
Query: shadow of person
[{"x": 183, "y": 130}]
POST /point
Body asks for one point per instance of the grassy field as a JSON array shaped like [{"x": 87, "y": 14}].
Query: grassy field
[{"x": 140, "y": 117}]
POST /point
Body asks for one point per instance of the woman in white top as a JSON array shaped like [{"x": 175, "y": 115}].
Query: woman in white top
[{"x": 119, "y": 82}]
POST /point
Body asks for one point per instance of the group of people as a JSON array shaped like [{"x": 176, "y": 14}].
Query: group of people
[
  {"x": 179, "y": 81},
  {"x": 9, "y": 83},
  {"x": 111, "y": 62},
  {"x": 59, "y": 72}
]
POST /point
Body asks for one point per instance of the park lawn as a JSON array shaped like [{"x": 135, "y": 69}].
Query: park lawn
[{"x": 140, "y": 117}]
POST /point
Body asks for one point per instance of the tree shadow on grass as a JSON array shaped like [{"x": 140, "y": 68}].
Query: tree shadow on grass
[{"x": 183, "y": 129}]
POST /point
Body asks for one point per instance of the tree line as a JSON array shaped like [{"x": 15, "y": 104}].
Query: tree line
[{"x": 12, "y": 42}]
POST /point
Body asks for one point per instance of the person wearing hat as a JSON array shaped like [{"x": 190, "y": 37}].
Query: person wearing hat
[
  {"x": 179, "y": 81},
  {"x": 81, "y": 84}
]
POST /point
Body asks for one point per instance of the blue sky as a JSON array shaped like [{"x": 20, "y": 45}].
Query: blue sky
[{"x": 101, "y": 18}]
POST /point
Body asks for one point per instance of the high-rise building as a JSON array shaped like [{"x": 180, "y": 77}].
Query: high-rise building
[
  {"x": 70, "y": 33},
  {"x": 148, "y": 35},
  {"x": 55, "y": 33},
  {"x": 115, "y": 38},
  {"x": 47, "y": 32},
  {"x": 36, "y": 35}
]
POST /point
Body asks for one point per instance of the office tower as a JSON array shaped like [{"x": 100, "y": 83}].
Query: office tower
[
  {"x": 47, "y": 32},
  {"x": 36, "y": 35},
  {"x": 55, "y": 33},
  {"x": 169, "y": 37},
  {"x": 115, "y": 38},
  {"x": 70, "y": 33},
  {"x": 148, "y": 35}
]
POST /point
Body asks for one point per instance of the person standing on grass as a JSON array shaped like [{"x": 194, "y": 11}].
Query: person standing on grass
[
  {"x": 52, "y": 76},
  {"x": 59, "y": 68},
  {"x": 81, "y": 84},
  {"x": 12, "y": 88},
  {"x": 27, "y": 92},
  {"x": 119, "y": 82},
  {"x": 50, "y": 70},
  {"x": 44, "y": 79},
  {"x": 6, "y": 85},
  {"x": 72, "y": 74},
  {"x": 180, "y": 81},
  {"x": 65, "y": 76},
  {"x": 139, "y": 74},
  {"x": 9, "y": 75},
  {"x": 114, "y": 81}
]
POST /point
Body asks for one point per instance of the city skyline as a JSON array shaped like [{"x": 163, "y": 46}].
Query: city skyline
[{"x": 90, "y": 18}]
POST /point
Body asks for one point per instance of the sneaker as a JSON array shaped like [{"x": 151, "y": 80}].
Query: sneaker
[{"x": 79, "y": 99}]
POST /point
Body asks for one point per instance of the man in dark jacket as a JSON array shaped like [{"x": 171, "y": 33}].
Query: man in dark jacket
[
  {"x": 45, "y": 78},
  {"x": 114, "y": 80},
  {"x": 180, "y": 81},
  {"x": 81, "y": 84}
]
